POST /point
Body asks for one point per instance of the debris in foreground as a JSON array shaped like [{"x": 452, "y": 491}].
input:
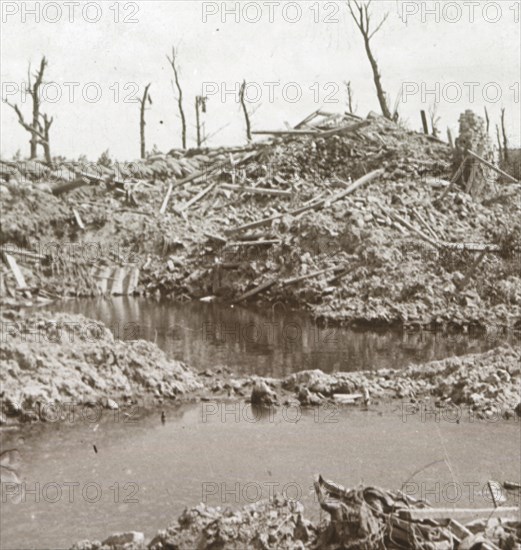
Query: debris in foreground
[{"x": 363, "y": 518}]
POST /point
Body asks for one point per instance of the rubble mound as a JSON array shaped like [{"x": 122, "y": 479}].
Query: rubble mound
[{"x": 53, "y": 358}]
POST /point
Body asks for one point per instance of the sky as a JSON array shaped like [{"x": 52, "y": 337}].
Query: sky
[{"x": 295, "y": 57}]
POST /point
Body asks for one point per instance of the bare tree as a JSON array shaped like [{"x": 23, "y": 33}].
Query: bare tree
[
  {"x": 39, "y": 133},
  {"x": 173, "y": 63},
  {"x": 487, "y": 119},
  {"x": 435, "y": 119},
  {"x": 362, "y": 18},
  {"x": 350, "y": 98},
  {"x": 200, "y": 106},
  {"x": 499, "y": 143},
  {"x": 143, "y": 100},
  {"x": 245, "y": 110},
  {"x": 505, "y": 139}
]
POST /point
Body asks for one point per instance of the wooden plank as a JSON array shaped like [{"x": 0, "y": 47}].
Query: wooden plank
[
  {"x": 18, "y": 275},
  {"x": 78, "y": 219},
  {"x": 118, "y": 278},
  {"x": 193, "y": 200},
  {"x": 416, "y": 514},
  {"x": 293, "y": 280},
  {"x": 345, "y": 129},
  {"x": 309, "y": 118},
  {"x": 131, "y": 281},
  {"x": 162, "y": 210},
  {"x": 252, "y": 243},
  {"x": 214, "y": 237},
  {"x": 102, "y": 275},
  {"x": 256, "y": 190},
  {"x": 285, "y": 132}
]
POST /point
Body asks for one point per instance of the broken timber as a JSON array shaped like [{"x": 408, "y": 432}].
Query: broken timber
[
  {"x": 319, "y": 203},
  {"x": 256, "y": 190},
  {"x": 492, "y": 167}
]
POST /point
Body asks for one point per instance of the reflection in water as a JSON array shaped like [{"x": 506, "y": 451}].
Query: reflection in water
[{"x": 272, "y": 343}]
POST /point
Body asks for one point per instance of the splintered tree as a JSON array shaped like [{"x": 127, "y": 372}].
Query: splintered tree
[
  {"x": 350, "y": 98},
  {"x": 362, "y": 18},
  {"x": 504, "y": 132},
  {"x": 142, "y": 101},
  {"x": 200, "y": 106},
  {"x": 435, "y": 119},
  {"x": 173, "y": 63},
  {"x": 245, "y": 110},
  {"x": 41, "y": 123}
]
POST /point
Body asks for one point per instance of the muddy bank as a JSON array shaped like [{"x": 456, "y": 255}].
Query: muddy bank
[
  {"x": 59, "y": 358},
  {"x": 69, "y": 359},
  {"x": 270, "y": 227}
]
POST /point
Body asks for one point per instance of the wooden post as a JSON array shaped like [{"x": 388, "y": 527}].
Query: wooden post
[
  {"x": 197, "y": 122},
  {"x": 449, "y": 137},
  {"x": 424, "y": 122}
]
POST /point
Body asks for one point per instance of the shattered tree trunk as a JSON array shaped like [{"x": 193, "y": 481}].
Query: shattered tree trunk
[
  {"x": 363, "y": 22},
  {"x": 172, "y": 62},
  {"x": 244, "y": 110},
  {"x": 377, "y": 80},
  {"x": 39, "y": 134},
  {"x": 142, "y": 121},
  {"x": 34, "y": 93}
]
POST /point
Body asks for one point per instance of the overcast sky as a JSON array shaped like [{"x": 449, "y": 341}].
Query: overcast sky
[{"x": 305, "y": 49}]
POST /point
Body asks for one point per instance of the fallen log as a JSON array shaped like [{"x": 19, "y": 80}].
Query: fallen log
[{"x": 261, "y": 288}]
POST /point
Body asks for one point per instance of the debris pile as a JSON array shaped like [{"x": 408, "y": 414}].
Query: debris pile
[
  {"x": 370, "y": 518},
  {"x": 364, "y": 518},
  {"x": 352, "y": 219},
  {"x": 489, "y": 383}
]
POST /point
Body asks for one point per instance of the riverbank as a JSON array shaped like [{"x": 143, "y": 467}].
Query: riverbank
[{"x": 56, "y": 358}]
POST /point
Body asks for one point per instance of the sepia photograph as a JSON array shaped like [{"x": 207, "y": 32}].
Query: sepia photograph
[{"x": 260, "y": 275}]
